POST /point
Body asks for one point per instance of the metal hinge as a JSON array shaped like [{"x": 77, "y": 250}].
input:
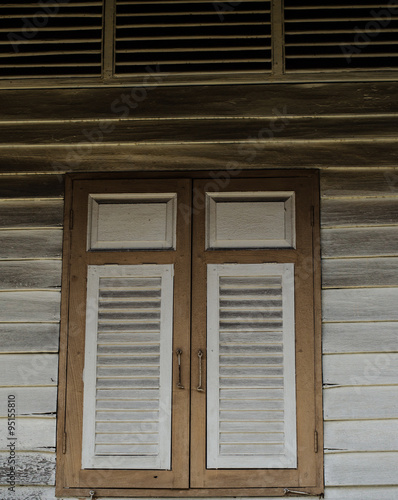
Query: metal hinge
[
  {"x": 316, "y": 441},
  {"x": 64, "y": 444},
  {"x": 71, "y": 219}
]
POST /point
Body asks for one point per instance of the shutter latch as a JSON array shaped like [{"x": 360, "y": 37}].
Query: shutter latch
[
  {"x": 288, "y": 492},
  {"x": 91, "y": 493}
]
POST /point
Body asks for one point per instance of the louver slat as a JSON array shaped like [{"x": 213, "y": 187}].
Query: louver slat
[
  {"x": 51, "y": 39},
  {"x": 251, "y": 375},
  {"x": 127, "y": 398},
  {"x": 192, "y": 37},
  {"x": 325, "y": 36}
]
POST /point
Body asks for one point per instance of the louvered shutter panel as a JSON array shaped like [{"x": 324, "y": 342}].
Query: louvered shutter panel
[
  {"x": 251, "y": 366},
  {"x": 127, "y": 375},
  {"x": 325, "y": 36},
  {"x": 191, "y": 37},
  {"x": 51, "y": 39}
]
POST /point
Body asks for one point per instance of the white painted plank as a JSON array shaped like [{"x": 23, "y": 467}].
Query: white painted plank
[
  {"x": 28, "y": 369},
  {"x": 367, "y": 304},
  {"x": 358, "y": 469},
  {"x": 361, "y": 435},
  {"x": 30, "y": 401},
  {"x": 360, "y": 369},
  {"x": 31, "y": 468},
  {"x": 360, "y": 337},
  {"x": 360, "y": 272},
  {"x": 30, "y": 243},
  {"x": 30, "y": 274},
  {"x": 28, "y": 493},
  {"x": 30, "y": 306},
  {"x": 360, "y": 403},
  {"x": 359, "y": 212},
  {"x": 29, "y": 337},
  {"x": 31, "y": 214},
  {"x": 361, "y": 493},
  {"x": 337, "y": 183},
  {"x": 32, "y": 434},
  {"x": 359, "y": 241}
]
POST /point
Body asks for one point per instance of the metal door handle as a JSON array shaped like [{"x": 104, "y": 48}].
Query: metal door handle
[{"x": 200, "y": 355}]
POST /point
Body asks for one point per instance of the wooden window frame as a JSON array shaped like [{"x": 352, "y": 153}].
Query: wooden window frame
[{"x": 308, "y": 477}]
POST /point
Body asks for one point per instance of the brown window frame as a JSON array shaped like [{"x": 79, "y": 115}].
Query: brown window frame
[{"x": 188, "y": 476}]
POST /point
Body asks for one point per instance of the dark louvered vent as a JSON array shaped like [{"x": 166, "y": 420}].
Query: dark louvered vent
[
  {"x": 51, "y": 39},
  {"x": 325, "y": 35},
  {"x": 192, "y": 36}
]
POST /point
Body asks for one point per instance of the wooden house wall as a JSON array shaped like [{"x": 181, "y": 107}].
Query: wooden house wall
[{"x": 359, "y": 219}]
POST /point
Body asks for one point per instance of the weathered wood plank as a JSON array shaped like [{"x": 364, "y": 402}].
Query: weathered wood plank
[
  {"x": 359, "y": 183},
  {"x": 359, "y": 337},
  {"x": 360, "y": 403},
  {"x": 361, "y": 493},
  {"x": 359, "y": 242},
  {"x": 365, "y": 304},
  {"x": 30, "y": 274},
  {"x": 31, "y": 214},
  {"x": 237, "y": 156},
  {"x": 28, "y": 369},
  {"x": 359, "y": 212},
  {"x": 203, "y": 130},
  {"x": 361, "y": 435},
  {"x": 30, "y": 401},
  {"x": 32, "y": 434},
  {"x": 360, "y": 469},
  {"x": 29, "y": 337},
  {"x": 360, "y": 272},
  {"x": 28, "y": 493},
  {"x": 30, "y": 244},
  {"x": 31, "y": 186},
  {"x": 31, "y": 468},
  {"x": 200, "y": 101},
  {"x": 29, "y": 306},
  {"x": 360, "y": 369}
]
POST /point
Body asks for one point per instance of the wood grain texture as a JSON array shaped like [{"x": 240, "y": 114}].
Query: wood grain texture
[
  {"x": 362, "y": 272},
  {"x": 33, "y": 434},
  {"x": 31, "y": 186},
  {"x": 28, "y": 337},
  {"x": 201, "y": 101},
  {"x": 359, "y": 212},
  {"x": 359, "y": 183},
  {"x": 366, "y": 304},
  {"x": 30, "y": 244},
  {"x": 361, "y": 435},
  {"x": 357, "y": 403},
  {"x": 101, "y": 157},
  {"x": 359, "y": 241},
  {"x": 29, "y": 306},
  {"x": 360, "y": 369},
  {"x": 28, "y": 369},
  {"x": 360, "y": 469},
  {"x": 31, "y": 468},
  {"x": 30, "y": 401},
  {"x": 30, "y": 274},
  {"x": 360, "y": 337},
  {"x": 31, "y": 214}
]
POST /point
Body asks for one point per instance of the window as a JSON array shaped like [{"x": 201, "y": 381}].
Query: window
[{"x": 190, "y": 336}]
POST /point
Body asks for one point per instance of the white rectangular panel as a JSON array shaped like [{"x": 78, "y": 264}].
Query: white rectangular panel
[
  {"x": 251, "y": 393},
  {"x": 128, "y": 367},
  {"x": 132, "y": 221},
  {"x": 250, "y": 220}
]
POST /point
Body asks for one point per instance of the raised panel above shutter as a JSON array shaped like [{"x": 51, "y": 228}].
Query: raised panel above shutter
[
  {"x": 128, "y": 366},
  {"x": 251, "y": 402}
]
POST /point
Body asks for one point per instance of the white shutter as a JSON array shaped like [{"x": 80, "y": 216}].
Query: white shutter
[
  {"x": 128, "y": 367},
  {"x": 251, "y": 366}
]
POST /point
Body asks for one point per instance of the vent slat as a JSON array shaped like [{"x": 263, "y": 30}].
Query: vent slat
[
  {"x": 324, "y": 36},
  {"x": 202, "y": 36}
]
